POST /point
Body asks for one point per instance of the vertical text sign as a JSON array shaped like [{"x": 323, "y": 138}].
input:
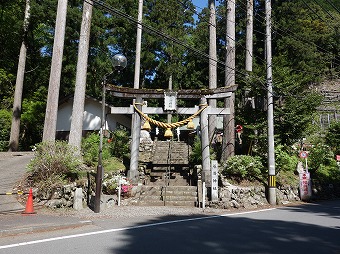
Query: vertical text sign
[
  {"x": 305, "y": 186},
  {"x": 214, "y": 180},
  {"x": 170, "y": 101}
]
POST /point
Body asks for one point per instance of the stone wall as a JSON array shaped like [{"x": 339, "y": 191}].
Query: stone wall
[
  {"x": 230, "y": 196},
  {"x": 69, "y": 195},
  {"x": 233, "y": 196}
]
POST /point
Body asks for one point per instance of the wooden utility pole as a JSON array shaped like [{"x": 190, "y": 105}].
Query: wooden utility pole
[
  {"x": 15, "y": 127},
  {"x": 228, "y": 145},
  {"x": 212, "y": 64},
  {"x": 249, "y": 36},
  {"x": 270, "y": 113},
  {"x": 50, "y": 124},
  {"x": 80, "y": 87}
]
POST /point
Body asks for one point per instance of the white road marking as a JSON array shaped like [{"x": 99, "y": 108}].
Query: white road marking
[{"x": 126, "y": 228}]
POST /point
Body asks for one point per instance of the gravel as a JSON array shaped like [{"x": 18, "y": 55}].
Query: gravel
[{"x": 132, "y": 211}]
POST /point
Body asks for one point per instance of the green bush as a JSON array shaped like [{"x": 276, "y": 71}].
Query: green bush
[
  {"x": 90, "y": 149},
  {"x": 285, "y": 166},
  {"x": 196, "y": 154},
  {"x": 119, "y": 143},
  {"x": 113, "y": 164},
  {"x": 322, "y": 164},
  {"x": 284, "y": 160},
  {"x": 243, "y": 167},
  {"x": 320, "y": 155},
  {"x": 327, "y": 174},
  {"x": 54, "y": 160},
  {"x": 333, "y": 136}
]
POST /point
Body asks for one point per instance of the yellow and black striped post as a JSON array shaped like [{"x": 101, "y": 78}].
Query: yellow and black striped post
[{"x": 271, "y": 181}]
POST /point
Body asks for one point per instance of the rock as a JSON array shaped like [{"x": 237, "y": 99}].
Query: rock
[
  {"x": 234, "y": 204},
  {"x": 78, "y": 199}
]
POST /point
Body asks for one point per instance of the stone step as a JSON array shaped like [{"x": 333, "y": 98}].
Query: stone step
[
  {"x": 168, "y": 203},
  {"x": 180, "y": 193},
  {"x": 171, "y": 189},
  {"x": 170, "y": 195},
  {"x": 179, "y": 198}
]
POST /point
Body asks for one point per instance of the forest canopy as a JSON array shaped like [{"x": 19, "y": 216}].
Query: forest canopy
[{"x": 175, "y": 42}]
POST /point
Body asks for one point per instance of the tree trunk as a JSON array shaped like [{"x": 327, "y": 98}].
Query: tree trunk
[
  {"x": 212, "y": 64},
  {"x": 80, "y": 88},
  {"x": 19, "y": 84},
  {"x": 50, "y": 124},
  {"x": 228, "y": 146}
]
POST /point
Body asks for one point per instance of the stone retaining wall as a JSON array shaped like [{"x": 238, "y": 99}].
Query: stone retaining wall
[{"x": 230, "y": 196}]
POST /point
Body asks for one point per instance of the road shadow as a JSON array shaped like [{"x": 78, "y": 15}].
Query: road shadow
[{"x": 234, "y": 234}]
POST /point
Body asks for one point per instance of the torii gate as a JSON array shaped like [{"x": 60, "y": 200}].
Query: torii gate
[{"x": 139, "y": 109}]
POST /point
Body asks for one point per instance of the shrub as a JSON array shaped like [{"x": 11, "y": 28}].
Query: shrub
[
  {"x": 54, "y": 160},
  {"x": 119, "y": 143},
  {"x": 284, "y": 161},
  {"x": 333, "y": 136},
  {"x": 113, "y": 164},
  {"x": 90, "y": 149},
  {"x": 196, "y": 154},
  {"x": 320, "y": 155},
  {"x": 327, "y": 174},
  {"x": 243, "y": 167}
]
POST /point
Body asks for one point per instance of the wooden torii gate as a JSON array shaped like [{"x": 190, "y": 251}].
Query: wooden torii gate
[{"x": 139, "y": 94}]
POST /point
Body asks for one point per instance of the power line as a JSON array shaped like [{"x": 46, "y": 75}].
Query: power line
[
  {"x": 324, "y": 9},
  {"x": 220, "y": 64},
  {"x": 333, "y": 6}
]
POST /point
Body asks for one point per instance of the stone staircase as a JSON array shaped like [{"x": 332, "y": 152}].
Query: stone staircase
[
  {"x": 169, "y": 152},
  {"x": 158, "y": 195},
  {"x": 168, "y": 177}
]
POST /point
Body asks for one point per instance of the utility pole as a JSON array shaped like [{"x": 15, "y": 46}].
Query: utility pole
[
  {"x": 19, "y": 84},
  {"x": 80, "y": 87},
  {"x": 50, "y": 124},
  {"x": 212, "y": 64},
  {"x": 271, "y": 154},
  {"x": 228, "y": 145}
]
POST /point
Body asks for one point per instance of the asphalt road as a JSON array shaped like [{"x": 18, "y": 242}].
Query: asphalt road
[
  {"x": 12, "y": 169},
  {"x": 310, "y": 228}
]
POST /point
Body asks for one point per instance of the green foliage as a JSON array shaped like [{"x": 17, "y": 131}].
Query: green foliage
[
  {"x": 113, "y": 164},
  {"x": 113, "y": 150},
  {"x": 5, "y": 123},
  {"x": 284, "y": 159},
  {"x": 333, "y": 137},
  {"x": 244, "y": 167},
  {"x": 196, "y": 154},
  {"x": 294, "y": 116},
  {"x": 119, "y": 143},
  {"x": 54, "y": 160},
  {"x": 320, "y": 155},
  {"x": 327, "y": 174},
  {"x": 90, "y": 149}
]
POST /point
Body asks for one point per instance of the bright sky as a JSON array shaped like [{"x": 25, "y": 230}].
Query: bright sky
[{"x": 200, "y": 3}]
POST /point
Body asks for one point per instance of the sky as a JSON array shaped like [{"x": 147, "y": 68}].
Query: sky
[{"x": 200, "y": 3}]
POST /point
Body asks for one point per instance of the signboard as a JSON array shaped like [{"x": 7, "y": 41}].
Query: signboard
[
  {"x": 170, "y": 101},
  {"x": 214, "y": 180},
  {"x": 305, "y": 186},
  {"x": 303, "y": 154}
]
